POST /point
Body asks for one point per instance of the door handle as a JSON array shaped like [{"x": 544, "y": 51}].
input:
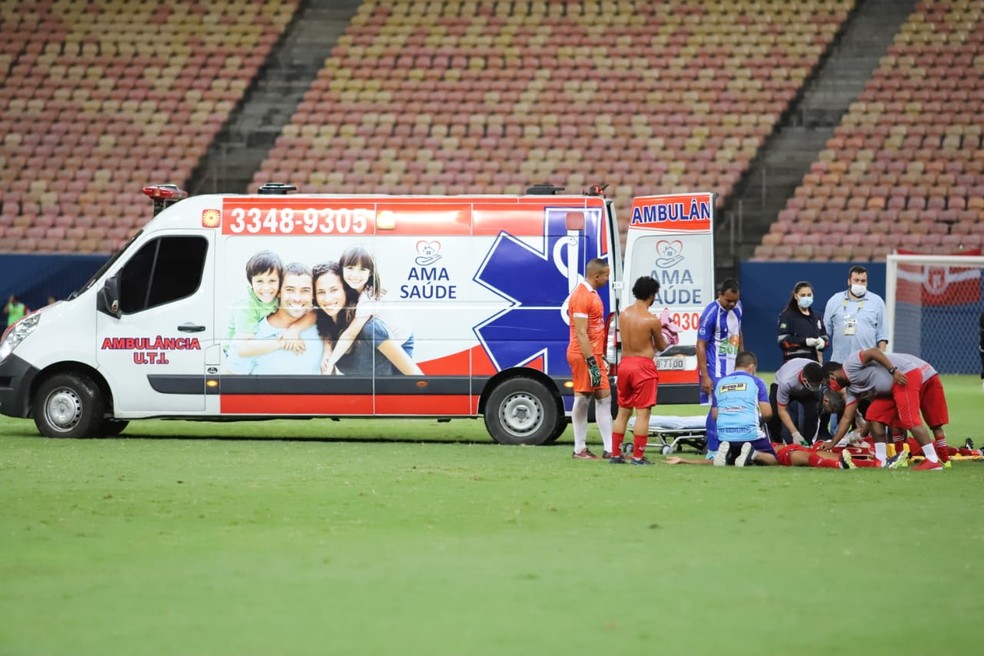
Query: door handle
[{"x": 191, "y": 328}]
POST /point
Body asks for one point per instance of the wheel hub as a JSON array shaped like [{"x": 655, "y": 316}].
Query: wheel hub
[
  {"x": 521, "y": 414},
  {"x": 63, "y": 409}
]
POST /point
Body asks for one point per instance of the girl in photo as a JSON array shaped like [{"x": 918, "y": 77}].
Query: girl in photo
[
  {"x": 337, "y": 305},
  {"x": 361, "y": 277}
]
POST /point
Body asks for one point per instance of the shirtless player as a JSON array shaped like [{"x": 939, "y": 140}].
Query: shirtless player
[{"x": 642, "y": 337}]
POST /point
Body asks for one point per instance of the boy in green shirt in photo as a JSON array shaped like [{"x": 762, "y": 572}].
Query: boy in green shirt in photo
[{"x": 265, "y": 272}]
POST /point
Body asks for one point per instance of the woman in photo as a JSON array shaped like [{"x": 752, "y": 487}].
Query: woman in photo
[
  {"x": 337, "y": 310},
  {"x": 361, "y": 276}
]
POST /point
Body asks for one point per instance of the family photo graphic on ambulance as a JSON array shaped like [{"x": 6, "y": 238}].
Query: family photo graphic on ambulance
[{"x": 294, "y": 318}]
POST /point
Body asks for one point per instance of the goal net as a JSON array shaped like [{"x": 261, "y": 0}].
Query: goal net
[{"x": 933, "y": 306}]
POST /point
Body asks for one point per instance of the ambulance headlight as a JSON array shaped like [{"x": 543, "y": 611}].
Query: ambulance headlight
[{"x": 17, "y": 333}]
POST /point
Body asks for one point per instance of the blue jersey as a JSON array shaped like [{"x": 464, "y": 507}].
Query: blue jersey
[
  {"x": 736, "y": 398},
  {"x": 721, "y": 330}
]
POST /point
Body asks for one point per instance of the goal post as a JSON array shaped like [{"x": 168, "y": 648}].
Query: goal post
[{"x": 933, "y": 309}]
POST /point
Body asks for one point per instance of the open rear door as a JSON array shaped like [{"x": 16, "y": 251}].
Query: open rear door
[{"x": 671, "y": 239}]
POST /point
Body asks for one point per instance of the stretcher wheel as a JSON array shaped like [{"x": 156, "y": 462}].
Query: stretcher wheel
[{"x": 666, "y": 449}]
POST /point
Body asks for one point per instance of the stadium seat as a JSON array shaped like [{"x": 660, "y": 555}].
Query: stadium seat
[
  {"x": 97, "y": 97},
  {"x": 915, "y": 133},
  {"x": 548, "y": 96}
]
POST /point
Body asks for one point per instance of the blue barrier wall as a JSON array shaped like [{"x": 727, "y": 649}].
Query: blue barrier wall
[
  {"x": 767, "y": 286},
  {"x": 33, "y": 278},
  {"x": 945, "y": 336}
]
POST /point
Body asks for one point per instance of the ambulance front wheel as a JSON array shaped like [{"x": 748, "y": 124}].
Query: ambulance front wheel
[
  {"x": 113, "y": 427},
  {"x": 69, "y": 405},
  {"x": 521, "y": 411}
]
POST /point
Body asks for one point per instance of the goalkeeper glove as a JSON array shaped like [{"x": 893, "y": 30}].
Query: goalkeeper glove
[{"x": 594, "y": 370}]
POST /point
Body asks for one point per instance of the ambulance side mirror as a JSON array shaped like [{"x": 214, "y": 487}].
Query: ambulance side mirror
[{"x": 108, "y": 300}]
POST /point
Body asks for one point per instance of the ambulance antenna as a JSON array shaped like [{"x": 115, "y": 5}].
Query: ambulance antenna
[
  {"x": 277, "y": 189},
  {"x": 544, "y": 190}
]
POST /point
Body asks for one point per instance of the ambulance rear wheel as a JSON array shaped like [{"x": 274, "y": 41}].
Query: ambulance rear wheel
[
  {"x": 69, "y": 405},
  {"x": 522, "y": 411}
]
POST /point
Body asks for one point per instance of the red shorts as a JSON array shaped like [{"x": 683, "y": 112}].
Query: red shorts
[
  {"x": 637, "y": 382},
  {"x": 580, "y": 375},
  {"x": 784, "y": 453},
  {"x": 907, "y": 401}
]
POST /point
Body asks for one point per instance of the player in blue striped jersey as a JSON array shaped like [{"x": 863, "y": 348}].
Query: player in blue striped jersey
[{"x": 719, "y": 340}]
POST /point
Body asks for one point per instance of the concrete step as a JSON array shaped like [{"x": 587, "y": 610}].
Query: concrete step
[
  {"x": 271, "y": 100},
  {"x": 797, "y": 141}
]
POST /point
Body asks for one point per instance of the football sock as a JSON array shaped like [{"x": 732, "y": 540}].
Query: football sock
[
  {"x": 816, "y": 460},
  {"x": 616, "y": 449},
  {"x": 942, "y": 449},
  {"x": 930, "y": 452},
  {"x": 898, "y": 440},
  {"x": 603, "y": 417},
  {"x": 579, "y": 421},
  {"x": 880, "y": 452},
  {"x": 639, "y": 446}
]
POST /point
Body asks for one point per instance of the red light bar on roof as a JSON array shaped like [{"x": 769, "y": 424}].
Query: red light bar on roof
[
  {"x": 170, "y": 192},
  {"x": 164, "y": 195}
]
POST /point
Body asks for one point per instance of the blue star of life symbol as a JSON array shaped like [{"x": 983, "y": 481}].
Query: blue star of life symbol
[{"x": 534, "y": 281}]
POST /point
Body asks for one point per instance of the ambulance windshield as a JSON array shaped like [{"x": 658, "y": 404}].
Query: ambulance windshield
[{"x": 98, "y": 274}]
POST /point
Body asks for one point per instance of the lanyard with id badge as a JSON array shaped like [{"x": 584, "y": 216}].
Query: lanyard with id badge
[{"x": 851, "y": 324}]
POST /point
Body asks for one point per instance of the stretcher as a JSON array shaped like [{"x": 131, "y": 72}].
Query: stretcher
[{"x": 673, "y": 432}]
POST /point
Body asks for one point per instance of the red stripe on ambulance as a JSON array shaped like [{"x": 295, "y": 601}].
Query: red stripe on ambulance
[{"x": 340, "y": 405}]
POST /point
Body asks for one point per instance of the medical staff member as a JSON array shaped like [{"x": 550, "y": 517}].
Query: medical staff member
[
  {"x": 740, "y": 406},
  {"x": 855, "y": 319}
]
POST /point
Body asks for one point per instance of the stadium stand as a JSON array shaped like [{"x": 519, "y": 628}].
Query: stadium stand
[
  {"x": 905, "y": 167},
  {"x": 101, "y": 98},
  {"x": 489, "y": 97}
]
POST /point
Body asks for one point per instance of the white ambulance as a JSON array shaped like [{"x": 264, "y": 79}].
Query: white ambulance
[{"x": 295, "y": 305}]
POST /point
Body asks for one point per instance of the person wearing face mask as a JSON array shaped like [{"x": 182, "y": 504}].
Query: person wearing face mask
[
  {"x": 801, "y": 330},
  {"x": 855, "y": 319},
  {"x": 795, "y": 397}
]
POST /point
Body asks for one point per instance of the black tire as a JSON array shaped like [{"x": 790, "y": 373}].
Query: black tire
[
  {"x": 113, "y": 427},
  {"x": 69, "y": 405},
  {"x": 558, "y": 429},
  {"x": 522, "y": 411}
]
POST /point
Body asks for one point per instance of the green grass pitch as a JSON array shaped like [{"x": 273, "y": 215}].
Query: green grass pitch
[{"x": 315, "y": 538}]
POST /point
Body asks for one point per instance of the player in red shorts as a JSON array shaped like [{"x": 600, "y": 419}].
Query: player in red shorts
[
  {"x": 850, "y": 457},
  {"x": 589, "y": 372},
  {"x": 904, "y": 387},
  {"x": 795, "y": 455},
  {"x": 820, "y": 454},
  {"x": 642, "y": 336}
]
